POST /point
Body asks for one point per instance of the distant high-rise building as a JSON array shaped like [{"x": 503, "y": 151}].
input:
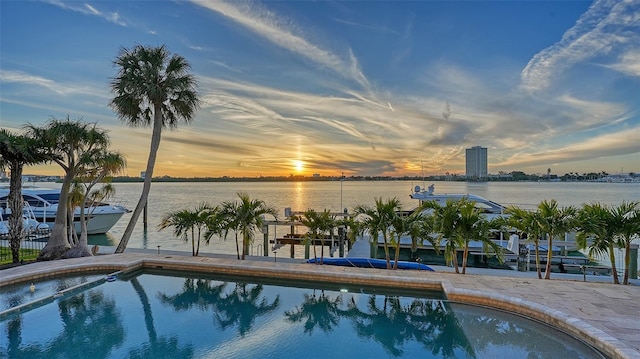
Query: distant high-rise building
[{"x": 476, "y": 162}]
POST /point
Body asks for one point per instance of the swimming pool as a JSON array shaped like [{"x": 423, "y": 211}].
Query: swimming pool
[{"x": 159, "y": 314}]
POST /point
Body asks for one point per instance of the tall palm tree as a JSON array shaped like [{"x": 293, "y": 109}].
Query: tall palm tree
[
  {"x": 246, "y": 218},
  {"x": 378, "y": 220},
  {"x": 74, "y": 145},
  {"x": 628, "y": 213},
  {"x": 554, "y": 222},
  {"x": 201, "y": 223},
  {"x": 527, "y": 222},
  {"x": 16, "y": 151},
  {"x": 152, "y": 88}
]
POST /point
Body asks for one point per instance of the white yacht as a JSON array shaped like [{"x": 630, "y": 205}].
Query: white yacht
[
  {"x": 489, "y": 208},
  {"x": 29, "y": 225},
  {"x": 42, "y": 204}
]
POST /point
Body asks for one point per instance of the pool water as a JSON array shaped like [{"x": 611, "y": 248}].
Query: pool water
[
  {"x": 158, "y": 315},
  {"x": 19, "y": 294}
]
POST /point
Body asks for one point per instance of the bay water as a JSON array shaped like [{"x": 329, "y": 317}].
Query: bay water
[{"x": 166, "y": 197}]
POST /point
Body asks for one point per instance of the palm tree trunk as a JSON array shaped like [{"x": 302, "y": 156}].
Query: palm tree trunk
[
  {"x": 313, "y": 241},
  {"x": 455, "y": 260},
  {"x": 245, "y": 244},
  {"x": 538, "y": 269},
  {"x": 193, "y": 243},
  {"x": 148, "y": 316},
  {"x": 156, "y": 136},
  {"x": 198, "y": 244},
  {"x": 547, "y": 269},
  {"x": 397, "y": 255},
  {"x": 15, "y": 219},
  {"x": 237, "y": 246},
  {"x": 386, "y": 250},
  {"x": 58, "y": 242},
  {"x": 465, "y": 255},
  {"x": 627, "y": 260},
  {"x": 614, "y": 270}
]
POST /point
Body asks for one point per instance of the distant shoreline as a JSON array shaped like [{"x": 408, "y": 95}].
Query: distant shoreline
[{"x": 513, "y": 177}]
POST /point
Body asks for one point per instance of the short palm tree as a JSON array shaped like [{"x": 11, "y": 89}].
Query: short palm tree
[
  {"x": 554, "y": 222},
  {"x": 152, "y": 88},
  {"x": 201, "y": 223},
  {"x": 526, "y": 222},
  {"x": 16, "y": 151},
  {"x": 420, "y": 227},
  {"x": 628, "y": 214},
  {"x": 352, "y": 228},
  {"x": 318, "y": 224},
  {"x": 326, "y": 226},
  {"x": 245, "y": 217},
  {"x": 473, "y": 226},
  {"x": 446, "y": 220},
  {"x": 311, "y": 220},
  {"x": 399, "y": 226},
  {"x": 597, "y": 223},
  {"x": 229, "y": 213},
  {"x": 378, "y": 220}
]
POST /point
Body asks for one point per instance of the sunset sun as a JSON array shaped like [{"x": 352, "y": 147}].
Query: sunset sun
[{"x": 298, "y": 165}]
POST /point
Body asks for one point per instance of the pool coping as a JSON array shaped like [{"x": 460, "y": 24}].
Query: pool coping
[{"x": 606, "y": 343}]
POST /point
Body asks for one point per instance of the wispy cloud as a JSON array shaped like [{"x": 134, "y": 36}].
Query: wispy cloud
[
  {"x": 284, "y": 33},
  {"x": 88, "y": 9},
  {"x": 373, "y": 27},
  {"x": 33, "y": 80},
  {"x": 629, "y": 62},
  {"x": 604, "y": 26},
  {"x": 610, "y": 144}
]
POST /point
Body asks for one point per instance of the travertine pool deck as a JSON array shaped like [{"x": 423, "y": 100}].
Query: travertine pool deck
[{"x": 605, "y": 315}]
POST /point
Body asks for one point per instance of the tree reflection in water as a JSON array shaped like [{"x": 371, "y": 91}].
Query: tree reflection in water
[
  {"x": 240, "y": 307},
  {"x": 321, "y": 311},
  {"x": 163, "y": 347},
  {"x": 91, "y": 329},
  {"x": 402, "y": 325},
  {"x": 393, "y": 324}
]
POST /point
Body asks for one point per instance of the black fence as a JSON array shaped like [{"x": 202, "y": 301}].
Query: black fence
[{"x": 29, "y": 248}]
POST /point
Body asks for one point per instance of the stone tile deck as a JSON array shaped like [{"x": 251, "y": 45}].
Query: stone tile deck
[{"x": 605, "y": 315}]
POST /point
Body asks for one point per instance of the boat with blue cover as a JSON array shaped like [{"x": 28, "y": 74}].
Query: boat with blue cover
[{"x": 370, "y": 263}]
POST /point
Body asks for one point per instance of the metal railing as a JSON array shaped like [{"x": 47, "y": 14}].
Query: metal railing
[{"x": 29, "y": 250}]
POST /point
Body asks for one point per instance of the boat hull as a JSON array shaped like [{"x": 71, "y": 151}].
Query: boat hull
[
  {"x": 99, "y": 223},
  {"x": 369, "y": 263}
]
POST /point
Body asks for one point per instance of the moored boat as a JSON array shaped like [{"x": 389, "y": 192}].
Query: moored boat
[
  {"x": 490, "y": 208},
  {"x": 41, "y": 204}
]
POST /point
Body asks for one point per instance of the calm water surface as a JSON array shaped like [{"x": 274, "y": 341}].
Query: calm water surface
[
  {"x": 160, "y": 316},
  {"x": 299, "y": 196}
]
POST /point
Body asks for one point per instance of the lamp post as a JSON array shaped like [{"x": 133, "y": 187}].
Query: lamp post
[{"x": 341, "y": 179}]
